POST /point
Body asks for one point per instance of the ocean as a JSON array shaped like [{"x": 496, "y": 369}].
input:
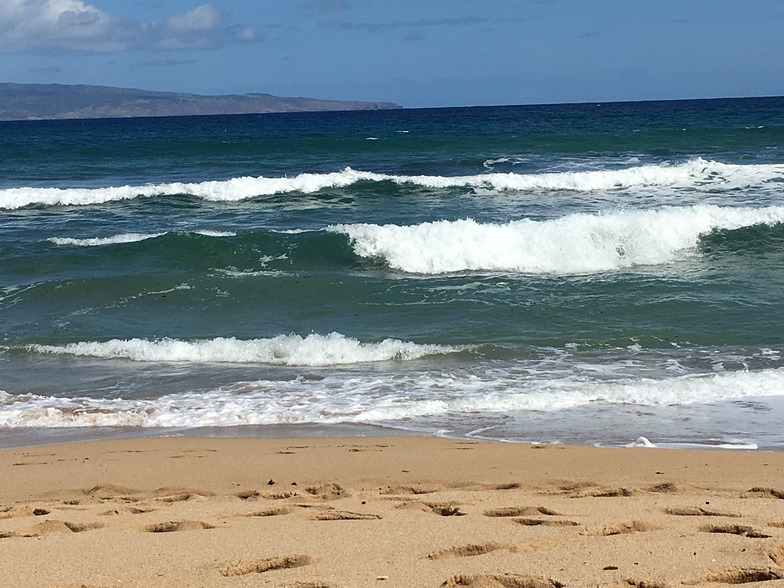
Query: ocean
[{"x": 607, "y": 274}]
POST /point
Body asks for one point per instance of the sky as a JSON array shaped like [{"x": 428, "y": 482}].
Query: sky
[{"x": 417, "y": 53}]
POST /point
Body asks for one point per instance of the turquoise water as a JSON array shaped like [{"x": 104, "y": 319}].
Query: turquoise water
[{"x": 573, "y": 273}]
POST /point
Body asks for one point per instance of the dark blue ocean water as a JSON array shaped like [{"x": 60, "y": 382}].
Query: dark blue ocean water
[{"x": 586, "y": 273}]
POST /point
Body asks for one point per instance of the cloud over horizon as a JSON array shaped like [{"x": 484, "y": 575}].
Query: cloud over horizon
[{"x": 47, "y": 26}]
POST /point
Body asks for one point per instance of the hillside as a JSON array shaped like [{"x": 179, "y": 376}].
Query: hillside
[{"x": 56, "y": 101}]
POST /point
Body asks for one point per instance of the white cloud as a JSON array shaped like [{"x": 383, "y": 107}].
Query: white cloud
[
  {"x": 43, "y": 26},
  {"x": 62, "y": 24},
  {"x": 202, "y": 18},
  {"x": 200, "y": 28}
]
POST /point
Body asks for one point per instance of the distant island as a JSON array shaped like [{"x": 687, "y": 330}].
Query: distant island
[{"x": 58, "y": 101}]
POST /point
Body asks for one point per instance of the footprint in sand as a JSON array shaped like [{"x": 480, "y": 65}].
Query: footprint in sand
[
  {"x": 282, "y": 495},
  {"x": 697, "y": 511},
  {"x": 184, "y": 496},
  {"x": 531, "y": 511},
  {"x": 629, "y": 583},
  {"x": 470, "y": 550},
  {"x": 758, "y": 492},
  {"x": 328, "y": 491},
  {"x": 270, "y": 512},
  {"x": 621, "y": 492},
  {"x": 52, "y": 526},
  {"x": 111, "y": 492},
  {"x": 500, "y": 581},
  {"x": 412, "y": 490},
  {"x": 569, "y": 487},
  {"x": 591, "y": 490},
  {"x": 741, "y": 530},
  {"x": 174, "y": 526},
  {"x": 622, "y": 529},
  {"x": 521, "y": 511},
  {"x": 267, "y": 564},
  {"x": 508, "y": 486},
  {"x": 445, "y": 509},
  {"x": 777, "y": 555},
  {"x": 101, "y": 493},
  {"x": 739, "y": 576},
  {"x": 134, "y": 510},
  {"x": 12, "y": 512},
  {"x": 670, "y": 488},
  {"x": 529, "y": 522},
  {"x": 343, "y": 515}
]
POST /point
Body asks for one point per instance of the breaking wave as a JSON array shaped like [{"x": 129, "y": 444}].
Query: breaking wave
[
  {"x": 578, "y": 243},
  {"x": 284, "y": 350},
  {"x": 373, "y": 400},
  {"x": 696, "y": 174}
]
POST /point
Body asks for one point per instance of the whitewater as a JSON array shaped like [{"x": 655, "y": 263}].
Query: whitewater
[
  {"x": 698, "y": 174},
  {"x": 549, "y": 274},
  {"x": 576, "y": 243}
]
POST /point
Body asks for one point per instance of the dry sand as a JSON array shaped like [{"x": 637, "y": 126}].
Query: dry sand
[{"x": 386, "y": 512}]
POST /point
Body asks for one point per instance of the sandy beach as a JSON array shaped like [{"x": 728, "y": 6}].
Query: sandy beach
[{"x": 404, "y": 511}]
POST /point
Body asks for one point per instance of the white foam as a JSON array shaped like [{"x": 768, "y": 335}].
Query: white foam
[
  {"x": 207, "y": 233},
  {"x": 372, "y": 398},
  {"x": 126, "y": 238},
  {"x": 641, "y": 442},
  {"x": 235, "y": 273},
  {"x": 235, "y": 189},
  {"x": 313, "y": 350},
  {"x": 578, "y": 243},
  {"x": 696, "y": 174},
  {"x": 738, "y": 444},
  {"x": 98, "y": 241}
]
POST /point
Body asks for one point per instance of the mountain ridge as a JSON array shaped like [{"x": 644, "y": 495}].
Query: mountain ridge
[{"x": 82, "y": 101}]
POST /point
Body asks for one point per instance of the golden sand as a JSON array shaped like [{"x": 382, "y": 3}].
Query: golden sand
[{"x": 386, "y": 512}]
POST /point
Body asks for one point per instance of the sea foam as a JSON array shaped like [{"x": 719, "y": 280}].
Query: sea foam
[
  {"x": 418, "y": 398},
  {"x": 697, "y": 174},
  {"x": 98, "y": 241},
  {"x": 292, "y": 350},
  {"x": 577, "y": 243},
  {"x": 126, "y": 238}
]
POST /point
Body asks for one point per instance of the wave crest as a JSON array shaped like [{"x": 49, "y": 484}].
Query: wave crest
[
  {"x": 578, "y": 243},
  {"x": 124, "y": 238},
  {"x": 288, "y": 350},
  {"x": 697, "y": 174}
]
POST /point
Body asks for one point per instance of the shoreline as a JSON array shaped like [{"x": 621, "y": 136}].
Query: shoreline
[
  {"x": 36, "y": 437},
  {"x": 387, "y": 511}
]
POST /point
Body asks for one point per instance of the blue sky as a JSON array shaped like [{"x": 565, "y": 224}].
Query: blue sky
[{"x": 414, "y": 52}]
